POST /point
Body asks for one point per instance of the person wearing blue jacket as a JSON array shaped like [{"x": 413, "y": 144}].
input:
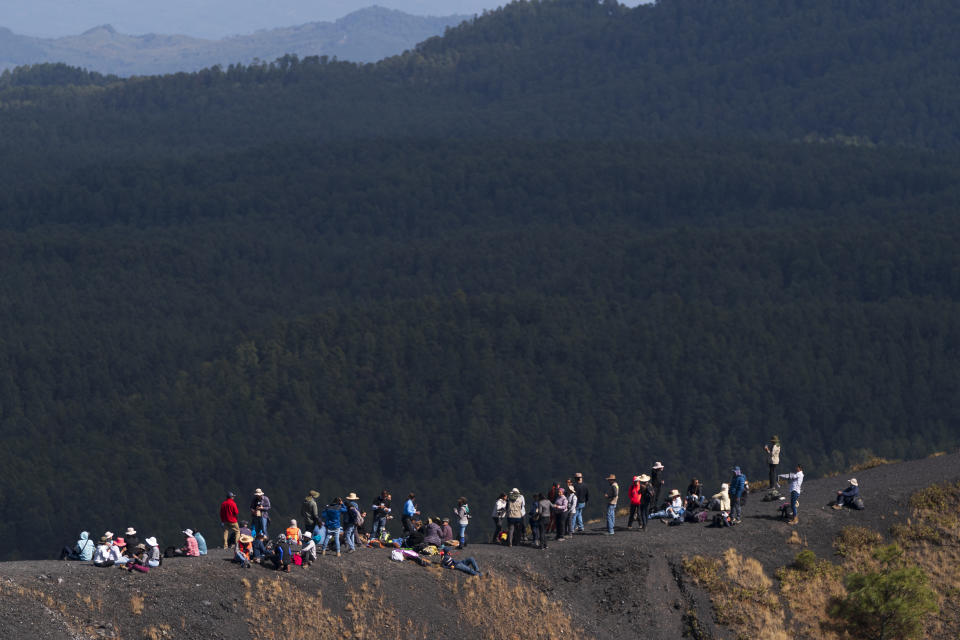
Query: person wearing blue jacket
[
  {"x": 201, "y": 542},
  {"x": 738, "y": 487},
  {"x": 332, "y": 524},
  {"x": 83, "y": 550},
  {"x": 846, "y": 497},
  {"x": 409, "y": 510}
]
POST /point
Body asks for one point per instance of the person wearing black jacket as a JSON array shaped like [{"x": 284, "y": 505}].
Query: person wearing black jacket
[
  {"x": 656, "y": 481},
  {"x": 583, "y": 495},
  {"x": 381, "y": 512}
]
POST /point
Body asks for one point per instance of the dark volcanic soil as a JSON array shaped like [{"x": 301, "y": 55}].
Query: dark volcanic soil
[{"x": 620, "y": 586}]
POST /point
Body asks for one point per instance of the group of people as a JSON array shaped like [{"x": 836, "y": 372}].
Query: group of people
[
  {"x": 127, "y": 552},
  {"x": 342, "y": 521}
]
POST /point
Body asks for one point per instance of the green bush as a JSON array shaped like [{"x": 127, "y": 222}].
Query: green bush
[{"x": 887, "y": 604}]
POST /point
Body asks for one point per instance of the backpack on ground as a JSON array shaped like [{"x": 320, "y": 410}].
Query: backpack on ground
[{"x": 858, "y": 503}]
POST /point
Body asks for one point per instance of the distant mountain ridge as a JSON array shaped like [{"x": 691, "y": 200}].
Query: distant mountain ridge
[{"x": 365, "y": 35}]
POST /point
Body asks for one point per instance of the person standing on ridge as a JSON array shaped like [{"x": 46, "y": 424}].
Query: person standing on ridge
[
  {"x": 381, "y": 512},
  {"x": 583, "y": 496},
  {"x": 310, "y": 515},
  {"x": 636, "y": 501},
  {"x": 773, "y": 459},
  {"x": 462, "y": 512},
  {"x": 796, "y": 482},
  {"x": 409, "y": 510},
  {"x": 559, "y": 508},
  {"x": 611, "y": 496},
  {"x": 228, "y": 520},
  {"x": 656, "y": 481},
  {"x": 260, "y": 512},
  {"x": 499, "y": 513},
  {"x": 646, "y": 500},
  {"x": 738, "y": 486},
  {"x": 516, "y": 510},
  {"x": 572, "y": 500}
]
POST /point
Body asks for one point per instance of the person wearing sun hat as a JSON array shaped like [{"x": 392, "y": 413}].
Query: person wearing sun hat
[
  {"x": 583, "y": 496},
  {"x": 848, "y": 496},
  {"x": 773, "y": 459},
  {"x": 130, "y": 536},
  {"x": 189, "y": 547},
  {"x": 260, "y": 512},
  {"x": 657, "y": 480},
  {"x": 612, "y": 495},
  {"x": 154, "y": 557},
  {"x": 354, "y": 520}
]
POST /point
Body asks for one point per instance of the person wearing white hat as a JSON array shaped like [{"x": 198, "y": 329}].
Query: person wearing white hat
[
  {"x": 674, "y": 510},
  {"x": 848, "y": 496},
  {"x": 154, "y": 557},
  {"x": 259, "y": 513},
  {"x": 657, "y": 480}
]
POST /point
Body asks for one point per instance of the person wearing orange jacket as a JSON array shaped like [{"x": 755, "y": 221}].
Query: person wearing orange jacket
[{"x": 228, "y": 520}]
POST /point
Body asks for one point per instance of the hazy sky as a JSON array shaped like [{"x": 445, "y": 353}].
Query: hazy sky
[
  {"x": 205, "y": 18},
  {"x": 202, "y": 18}
]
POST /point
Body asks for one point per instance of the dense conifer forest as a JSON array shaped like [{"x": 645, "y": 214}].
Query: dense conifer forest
[{"x": 565, "y": 236}]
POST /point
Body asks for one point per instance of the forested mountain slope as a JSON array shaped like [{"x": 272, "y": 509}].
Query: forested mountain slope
[{"x": 567, "y": 234}]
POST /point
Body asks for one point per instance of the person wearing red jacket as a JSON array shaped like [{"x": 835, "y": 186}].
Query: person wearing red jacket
[
  {"x": 228, "y": 520},
  {"x": 636, "y": 497}
]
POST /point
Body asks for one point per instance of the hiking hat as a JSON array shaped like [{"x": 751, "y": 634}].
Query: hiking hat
[
  {"x": 130, "y": 531},
  {"x": 658, "y": 465},
  {"x": 736, "y": 470},
  {"x": 775, "y": 439},
  {"x": 140, "y": 547},
  {"x": 853, "y": 481},
  {"x": 307, "y": 534},
  {"x": 187, "y": 532},
  {"x": 121, "y": 542},
  {"x": 514, "y": 490},
  {"x": 258, "y": 492},
  {"x": 611, "y": 477},
  {"x": 636, "y": 479},
  {"x": 245, "y": 538},
  {"x": 231, "y": 494},
  {"x": 674, "y": 494},
  {"x": 104, "y": 539},
  {"x": 724, "y": 486},
  {"x": 644, "y": 477},
  {"x": 560, "y": 490},
  {"x": 151, "y": 541},
  {"x": 314, "y": 493},
  {"x": 578, "y": 475},
  {"x": 293, "y": 523},
  {"x": 353, "y": 496},
  {"x": 446, "y": 519},
  {"x": 108, "y": 534}
]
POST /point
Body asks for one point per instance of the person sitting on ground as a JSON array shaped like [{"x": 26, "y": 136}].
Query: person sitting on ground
[
  {"x": 467, "y": 565},
  {"x": 102, "y": 555},
  {"x": 260, "y": 547},
  {"x": 201, "y": 542},
  {"x": 131, "y": 538},
  {"x": 83, "y": 550},
  {"x": 154, "y": 557},
  {"x": 242, "y": 550},
  {"x": 139, "y": 558},
  {"x": 848, "y": 496},
  {"x": 308, "y": 552},
  {"x": 189, "y": 548},
  {"x": 245, "y": 529},
  {"x": 293, "y": 532},
  {"x": 118, "y": 551},
  {"x": 674, "y": 510},
  {"x": 446, "y": 531},
  {"x": 722, "y": 497},
  {"x": 432, "y": 533},
  {"x": 280, "y": 554},
  {"x": 695, "y": 498}
]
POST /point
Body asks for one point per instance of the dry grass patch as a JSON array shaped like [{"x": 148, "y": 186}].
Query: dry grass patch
[
  {"x": 488, "y": 604},
  {"x": 279, "y": 610},
  {"x": 870, "y": 463},
  {"x": 808, "y": 587},
  {"x": 136, "y": 604},
  {"x": 742, "y": 595},
  {"x": 856, "y": 541}
]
